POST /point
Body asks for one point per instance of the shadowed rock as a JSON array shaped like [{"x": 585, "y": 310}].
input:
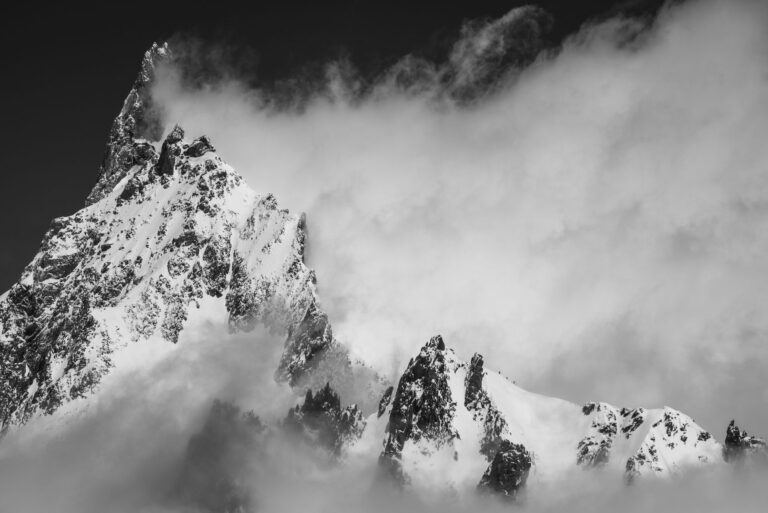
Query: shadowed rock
[
  {"x": 740, "y": 446},
  {"x": 474, "y": 381},
  {"x": 200, "y": 147},
  {"x": 385, "y": 400},
  {"x": 508, "y": 472},
  {"x": 170, "y": 151},
  {"x": 422, "y": 407},
  {"x": 322, "y": 421}
]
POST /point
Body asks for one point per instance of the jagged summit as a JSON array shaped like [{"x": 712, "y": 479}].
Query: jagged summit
[
  {"x": 455, "y": 425},
  {"x": 137, "y": 123},
  {"x": 169, "y": 234},
  {"x": 323, "y": 422}
]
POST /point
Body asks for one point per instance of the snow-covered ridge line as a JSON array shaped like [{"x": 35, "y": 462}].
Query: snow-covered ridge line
[{"x": 453, "y": 425}]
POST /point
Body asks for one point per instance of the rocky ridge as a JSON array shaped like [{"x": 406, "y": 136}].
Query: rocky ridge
[
  {"x": 170, "y": 231},
  {"x": 459, "y": 421},
  {"x": 741, "y": 447}
]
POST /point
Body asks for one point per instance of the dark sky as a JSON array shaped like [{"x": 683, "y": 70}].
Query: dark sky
[{"x": 66, "y": 72}]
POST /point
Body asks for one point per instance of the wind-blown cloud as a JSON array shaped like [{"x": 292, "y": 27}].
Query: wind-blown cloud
[{"x": 595, "y": 223}]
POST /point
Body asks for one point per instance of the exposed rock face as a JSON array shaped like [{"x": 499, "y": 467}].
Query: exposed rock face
[
  {"x": 166, "y": 237},
  {"x": 508, "y": 471},
  {"x": 643, "y": 441},
  {"x": 427, "y": 421},
  {"x": 479, "y": 403},
  {"x": 385, "y": 400},
  {"x": 673, "y": 432},
  {"x": 740, "y": 447},
  {"x": 137, "y": 122},
  {"x": 474, "y": 382},
  {"x": 321, "y": 420},
  {"x": 423, "y": 407},
  {"x": 216, "y": 465},
  {"x": 170, "y": 151},
  {"x": 200, "y": 147},
  {"x": 433, "y": 439},
  {"x": 310, "y": 338}
]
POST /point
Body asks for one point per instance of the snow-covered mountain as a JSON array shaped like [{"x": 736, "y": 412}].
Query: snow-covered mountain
[
  {"x": 168, "y": 232},
  {"x": 454, "y": 424},
  {"x": 655, "y": 441},
  {"x": 741, "y": 447},
  {"x": 171, "y": 233}
]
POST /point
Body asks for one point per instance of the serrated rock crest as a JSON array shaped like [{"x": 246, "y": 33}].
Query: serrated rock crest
[{"x": 165, "y": 232}]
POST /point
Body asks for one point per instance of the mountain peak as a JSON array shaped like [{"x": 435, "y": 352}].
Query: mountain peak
[
  {"x": 740, "y": 446},
  {"x": 178, "y": 237},
  {"x": 139, "y": 121},
  {"x": 138, "y": 117},
  {"x": 423, "y": 406},
  {"x": 157, "y": 53}
]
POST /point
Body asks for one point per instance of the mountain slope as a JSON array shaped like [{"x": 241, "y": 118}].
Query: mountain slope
[
  {"x": 168, "y": 229},
  {"x": 660, "y": 441},
  {"x": 448, "y": 422}
]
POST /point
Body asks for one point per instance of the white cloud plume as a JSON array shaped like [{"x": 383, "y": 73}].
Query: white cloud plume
[{"x": 595, "y": 225}]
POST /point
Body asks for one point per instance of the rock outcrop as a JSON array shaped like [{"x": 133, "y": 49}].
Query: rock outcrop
[
  {"x": 423, "y": 407},
  {"x": 741, "y": 447},
  {"x": 138, "y": 122},
  {"x": 450, "y": 421},
  {"x": 508, "y": 471}
]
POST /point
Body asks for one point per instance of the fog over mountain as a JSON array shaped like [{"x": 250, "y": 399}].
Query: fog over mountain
[
  {"x": 594, "y": 223},
  {"x": 537, "y": 271}
]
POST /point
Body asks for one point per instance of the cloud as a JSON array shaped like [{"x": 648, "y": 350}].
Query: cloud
[
  {"x": 123, "y": 448},
  {"x": 618, "y": 182}
]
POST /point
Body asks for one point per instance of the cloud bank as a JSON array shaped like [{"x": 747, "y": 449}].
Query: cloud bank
[
  {"x": 594, "y": 222},
  {"x": 132, "y": 447}
]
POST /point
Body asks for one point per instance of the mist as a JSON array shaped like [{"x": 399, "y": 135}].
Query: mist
[{"x": 593, "y": 222}]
